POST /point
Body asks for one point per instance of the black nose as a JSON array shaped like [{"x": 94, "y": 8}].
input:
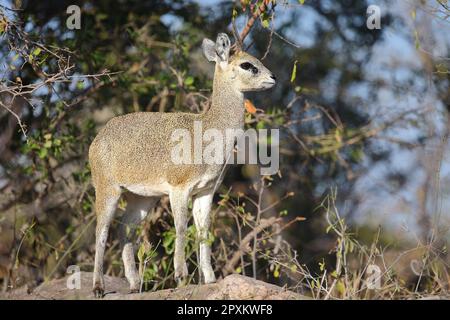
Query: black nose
[{"x": 273, "y": 77}]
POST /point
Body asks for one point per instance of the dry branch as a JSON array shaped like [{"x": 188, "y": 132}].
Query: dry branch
[
  {"x": 264, "y": 223},
  {"x": 261, "y": 9},
  {"x": 256, "y": 14}
]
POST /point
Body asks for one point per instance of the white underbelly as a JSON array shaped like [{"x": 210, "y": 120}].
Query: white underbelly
[
  {"x": 145, "y": 190},
  {"x": 204, "y": 183}
]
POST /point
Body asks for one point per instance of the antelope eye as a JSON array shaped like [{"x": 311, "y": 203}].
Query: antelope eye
[
  {"x": 249, "y": 66},
  {"x": 246, "y": 65}
]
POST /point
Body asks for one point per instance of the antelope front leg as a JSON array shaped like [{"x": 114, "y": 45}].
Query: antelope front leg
[
  {"x": 179, "y": 203},
  {"x": 201, "y": 212}
]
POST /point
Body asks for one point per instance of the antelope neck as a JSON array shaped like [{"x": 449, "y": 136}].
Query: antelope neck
[{"x": 227, "y": 107}]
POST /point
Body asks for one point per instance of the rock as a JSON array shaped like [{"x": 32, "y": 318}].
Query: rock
[{"x": 232, "y": 287}]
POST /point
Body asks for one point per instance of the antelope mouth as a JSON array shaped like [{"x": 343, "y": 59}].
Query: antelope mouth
[{"x": 268, "y": 84}]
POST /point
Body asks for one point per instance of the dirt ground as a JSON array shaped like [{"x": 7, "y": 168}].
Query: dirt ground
[{"x": 232, "y": 287}]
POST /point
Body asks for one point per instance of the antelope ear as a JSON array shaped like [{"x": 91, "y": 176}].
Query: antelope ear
[
  {"x": 223, "y": 45},
  {"x": 209, "y": 50}
]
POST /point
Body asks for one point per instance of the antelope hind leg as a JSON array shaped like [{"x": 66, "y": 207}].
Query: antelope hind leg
[
  {"x": 136, "y": 211},
  {"x": 105, "y": 206}
]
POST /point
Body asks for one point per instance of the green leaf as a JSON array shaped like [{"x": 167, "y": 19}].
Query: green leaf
[
  {"x": 48, "y": 144},
  {"x": 261, "y": 124},
  {"x": 168, "y": 241},
  {"x": 43, "y": 153},
  {"x": 417, "y": 41},
  {"x": 80, "y": 85},
  {"x": 189, "y": 81},
  {"x": 141, "y": 252},
  {"x": 302, "y": 2},
  {"x": 340, "y": 287},
  {"x": 322, "y": 265},
  {"x": 276, "y": 273},
  {"x": 294, "y": 72},
  {"x": 36, "y": 52},
  {"x": 235, "y": 13},
  {"x": 101, "y": 16}
]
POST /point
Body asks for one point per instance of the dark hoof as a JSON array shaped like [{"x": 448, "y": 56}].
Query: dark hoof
[
  {"x": 133, "y": 291},
  {"x": 99, "y": 292}
]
